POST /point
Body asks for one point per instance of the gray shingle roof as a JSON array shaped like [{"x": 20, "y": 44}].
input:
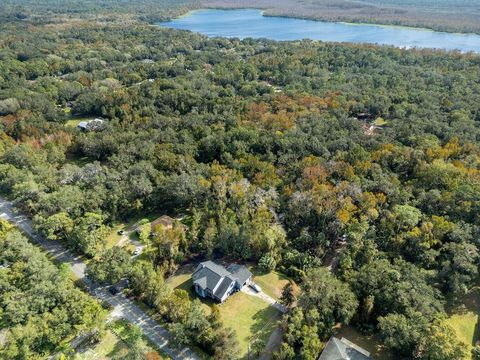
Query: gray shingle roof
[
  {"x": 208, "y": 275},
  {"x": 337, "y": 349},
  {"x": 217, "y": 279},
  {"x": 239, "y": 272},
  {"x": 223, "y": 287}
]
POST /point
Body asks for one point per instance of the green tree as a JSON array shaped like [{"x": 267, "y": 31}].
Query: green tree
[
  {"x": 331, "y": 298},
  {"x": 112, "y": 266},
  {"x": 439, "y": 342}
]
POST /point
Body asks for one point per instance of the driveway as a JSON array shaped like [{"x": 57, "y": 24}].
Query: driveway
[
  {"x": 122, "y": 306},
  {"x": 268, "y": 299},
  {"x": 126, "y": 239}
]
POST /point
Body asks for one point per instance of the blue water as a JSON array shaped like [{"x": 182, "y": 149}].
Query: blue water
[{"x": 245, "y": 23}]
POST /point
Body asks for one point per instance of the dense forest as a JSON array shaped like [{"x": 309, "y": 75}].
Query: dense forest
[
  {"x": 39, "y": 305},
  {"x": 292, "y": 155}
]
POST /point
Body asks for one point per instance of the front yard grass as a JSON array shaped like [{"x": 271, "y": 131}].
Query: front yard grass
[
  {"x": 464, "y": 318},
  {"x": 250, "y": 317},
  {"x": 114, "y": 344},
  {"x": 272, "y": 283},
  {"x": 125, "y": 333},
  {"x": 110, "y": 346}
]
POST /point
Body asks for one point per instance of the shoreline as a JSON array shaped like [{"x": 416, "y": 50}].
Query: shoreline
[
  {"x": 264, "y": 13},
  {"x": 267, "y": 12}
]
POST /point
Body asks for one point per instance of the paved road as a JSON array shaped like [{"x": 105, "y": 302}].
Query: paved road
[{"x": 122, "y": 306}]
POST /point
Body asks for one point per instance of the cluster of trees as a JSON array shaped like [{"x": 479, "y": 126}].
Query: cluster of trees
[
  {"x": 40, "y": 308},
  {"x": 262, "y": 146},
  {"x": 48, "y": 11}
]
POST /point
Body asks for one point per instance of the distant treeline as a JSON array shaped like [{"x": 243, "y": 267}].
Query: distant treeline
[
  {"x": 115, "y": 10},
  {"x": 444, "y": 15}
]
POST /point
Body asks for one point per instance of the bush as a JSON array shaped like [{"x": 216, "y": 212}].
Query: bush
[
  {"x": 476, "y": 353},
  {"x": 267, "y": 263}
]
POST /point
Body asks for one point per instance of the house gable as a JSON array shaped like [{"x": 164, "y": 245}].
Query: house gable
[
  {"x": 343, "y": 349},
  {"x": 213, "y": 280}
]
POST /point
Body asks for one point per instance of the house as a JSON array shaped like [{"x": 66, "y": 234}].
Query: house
[
  {"x": 164, "y": 220},
  {"x": 343, "y": 349},
  {"x": 91, "y": 125},
  {"x": 217, "y": 282}
]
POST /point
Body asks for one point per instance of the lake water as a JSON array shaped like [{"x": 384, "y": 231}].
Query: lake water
[{"x": 245, "y": 23}]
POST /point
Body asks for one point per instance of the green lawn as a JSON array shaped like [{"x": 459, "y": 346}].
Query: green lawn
[
  {"x": 114, "y": 344},
  {"x": 250, "y": 317},
  {"x": 74, "y": 121},
  {"x": 180, "y": 280},
  {"x": 124, "y": 332},
  {"x": 272, "y": 283},
  {"x": 183, "y": 280},
  {"x": 110, "y": 346},
  {"x": 113, "y": 238},
  {"x": 465, "y": 320}
]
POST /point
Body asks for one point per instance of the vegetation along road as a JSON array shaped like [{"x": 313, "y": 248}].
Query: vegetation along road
[{"x": 123, "y": 306}]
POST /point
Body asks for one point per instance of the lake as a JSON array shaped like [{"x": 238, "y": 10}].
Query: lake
[{"x": 244, "y": 23}]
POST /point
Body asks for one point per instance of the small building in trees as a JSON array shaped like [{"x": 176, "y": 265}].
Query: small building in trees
[
  {"x": 343, "y": 349},
  {"x": 217, "y": 282},
  {"x": 91, "y": 125},
  {"x": 166, "y": 221}
]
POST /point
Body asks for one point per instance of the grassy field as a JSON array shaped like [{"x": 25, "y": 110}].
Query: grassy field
[
  {"x": 74, "y": 121},
  {"x": 115, "y": 344},
  {"x": 272, "y": 283},
  {"x": 110, "y": 346},
  {"x": 249, "y": 316},
  {"x": 465, "y": 320},
  {"x": 124, "y": 331}
]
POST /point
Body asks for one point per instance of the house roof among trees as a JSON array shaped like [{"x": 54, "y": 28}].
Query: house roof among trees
[
  {"x": 165, "y": 220},
  {"x": 209, "y": 275},
  {"x": 343, "y": 349},
  {"x": 239, "y": 272}
]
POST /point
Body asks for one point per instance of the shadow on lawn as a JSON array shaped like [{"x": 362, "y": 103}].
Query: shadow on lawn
[
  {"x": 265, "y": 321},
  {"x": 469, "y": 303}
]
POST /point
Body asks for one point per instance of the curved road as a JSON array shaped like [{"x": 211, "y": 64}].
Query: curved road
[{"x": 123, "y": 307}]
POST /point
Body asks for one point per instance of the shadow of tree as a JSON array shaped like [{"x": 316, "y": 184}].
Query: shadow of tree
[
  {"x": 265, "y": 321},
  {"x": 119, "y": 350},
  {"x": 469, "y": 302},
  {"x": 476, "y": 334}
]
